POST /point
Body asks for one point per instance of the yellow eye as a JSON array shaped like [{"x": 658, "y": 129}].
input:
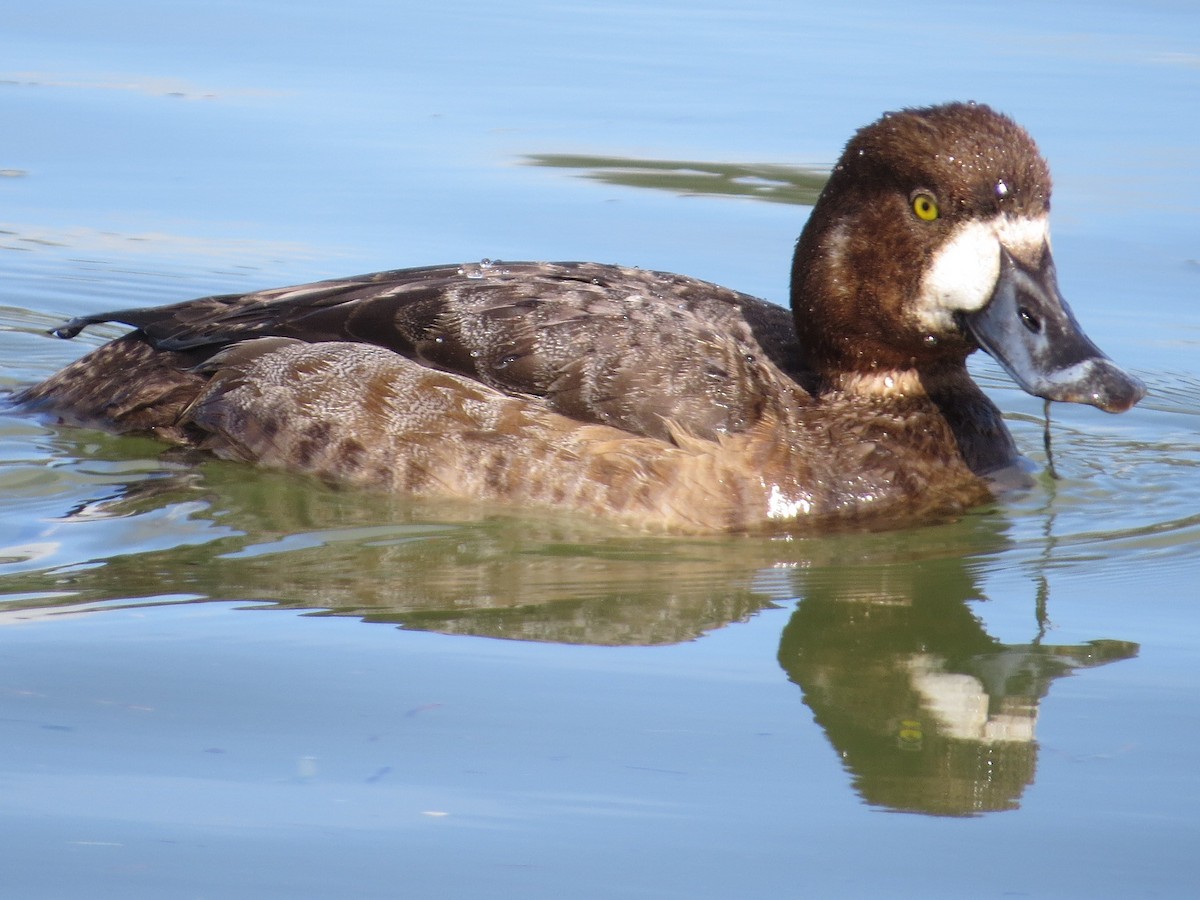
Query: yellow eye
[{"x": 925, "y": 207}]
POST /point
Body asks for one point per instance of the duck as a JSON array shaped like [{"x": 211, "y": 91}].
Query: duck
[{"x": 647, "y": 399}]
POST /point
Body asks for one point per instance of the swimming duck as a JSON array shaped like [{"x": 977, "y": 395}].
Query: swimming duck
[{"x": 648, "y": 398}]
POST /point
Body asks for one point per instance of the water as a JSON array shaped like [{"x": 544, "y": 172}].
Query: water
[{"x": 216, "y": 681}]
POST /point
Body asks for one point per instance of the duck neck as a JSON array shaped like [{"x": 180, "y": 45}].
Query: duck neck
[
  {"x": 883, "y": 383},
  {"x": 947, "y": 395}
]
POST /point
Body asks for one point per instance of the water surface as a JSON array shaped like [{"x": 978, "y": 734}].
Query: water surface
[{"x": 218, "y": 681}]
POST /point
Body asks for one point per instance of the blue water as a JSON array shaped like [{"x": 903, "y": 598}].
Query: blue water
[{"x": 221, "y": 682}]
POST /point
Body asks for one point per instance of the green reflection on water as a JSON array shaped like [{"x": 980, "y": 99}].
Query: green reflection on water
[
  {"x": 772, "y": 183},
  {"x": 928, "y": 712}
]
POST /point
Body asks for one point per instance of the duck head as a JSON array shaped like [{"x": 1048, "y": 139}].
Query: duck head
[{"x": 931, "y": 240}]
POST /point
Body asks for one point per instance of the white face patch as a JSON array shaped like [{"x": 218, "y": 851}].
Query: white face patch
[
  {"x": 835, "y": 245},
  {"x": 964, "y": 271}
]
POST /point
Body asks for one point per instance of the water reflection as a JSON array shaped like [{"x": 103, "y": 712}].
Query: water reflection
[
  {"x": 764, "y": 181},
  {"x": 928, "y": 711}
]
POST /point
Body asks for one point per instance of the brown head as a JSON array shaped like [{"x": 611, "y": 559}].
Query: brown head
[{"x": 931, "y": 240}]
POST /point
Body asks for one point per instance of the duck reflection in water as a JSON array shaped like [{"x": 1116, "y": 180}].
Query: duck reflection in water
[{"x": 929, "y": 713}]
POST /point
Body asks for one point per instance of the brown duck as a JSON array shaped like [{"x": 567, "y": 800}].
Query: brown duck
[{"x": 646, "y": 398}]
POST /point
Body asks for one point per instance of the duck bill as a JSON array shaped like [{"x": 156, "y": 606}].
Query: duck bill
[{"x": 1029, "y": 329}]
